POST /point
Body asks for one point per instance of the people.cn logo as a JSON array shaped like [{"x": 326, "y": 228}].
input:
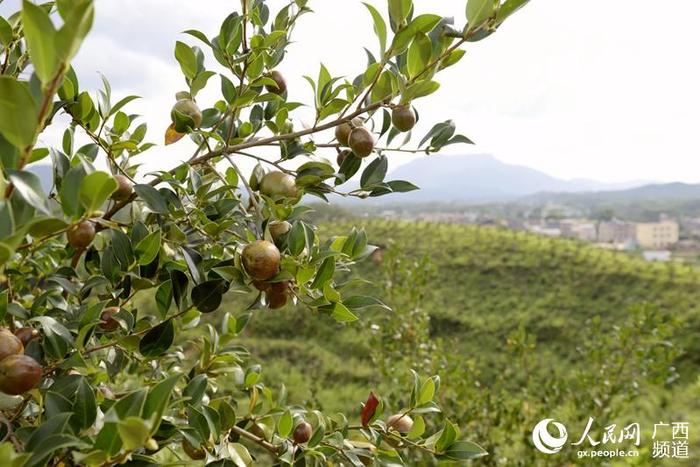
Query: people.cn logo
[{"x": 544, "y": 441}]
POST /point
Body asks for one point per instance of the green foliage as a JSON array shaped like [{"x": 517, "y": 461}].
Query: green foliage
[{"x": 120, "y": 381}]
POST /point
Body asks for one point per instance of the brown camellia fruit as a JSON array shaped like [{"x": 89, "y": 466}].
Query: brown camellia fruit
[
  {"x": 278, "y": 294},
  {"x": 302, "y": 432},
  {"x": 124, "y": 188},
  {"x": 278, "y": 185},
  {"x": 279, "y": 81},
  {"x": 276, "y": 300},
  {"x": 403, "y": 117},
  {"x": 19, "y": 374},
  {"x": 342, "y": 131},
  {"x": 187, "y": 107},
  {"x": 261, "y": 260},
  {"x": 342, "y": 155},
  {"x": 26, "y": 335},
  {"x": 277, "y": 229},
  {"x": 261, "y": 285},
  {"x": 81, "y": 234},
  {"x": 361, "y": 142},
  {"x": 400, "y": 422},
  {"x": 9, "y": 344},
  {"x": 107, "y": 321},
  {"x": 193, "y": 452}
]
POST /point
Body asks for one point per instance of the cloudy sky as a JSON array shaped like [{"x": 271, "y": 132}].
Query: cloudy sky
[{"x": 603, "y": 89}]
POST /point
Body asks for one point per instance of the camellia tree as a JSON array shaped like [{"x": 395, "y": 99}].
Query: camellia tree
[{"x": 89, "y": 379}]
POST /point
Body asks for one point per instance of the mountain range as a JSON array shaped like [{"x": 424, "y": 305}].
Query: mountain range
[{"x": 482, "y": 178}]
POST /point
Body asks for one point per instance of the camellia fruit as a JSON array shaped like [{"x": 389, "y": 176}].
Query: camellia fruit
[
  {"x": 278, "y": 294},
  {"x": 261, "y": 260},
  {"x": 124, "y": 188},
  {"x": 278, "y": 185},
  {"x": 361, "y": 142},
  {"x": 189, "y": 108},
  {"x": 81, "y": 234},
  {"x": 277, "y": 229},
  {"x": 281, "y": 83},
  {"x": 342, "y": 155},
  {"x": 342, "y": 131},
  {"x": 107, "y": 321},
  {"x": 403, "y": 117},
  {"x": 9, "y": 344},
  {"x": 302, "y": 432},
  {"x": 26, "y": 335},
  {"x": 400, "y": 422},
  {"x": 193, "y": 452},
  {"x": 19, "y": 374}
]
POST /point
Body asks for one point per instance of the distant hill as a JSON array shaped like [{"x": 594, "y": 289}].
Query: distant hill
[
  {"x": 675, "y": 191},
  {"x": 482, "y": 178}
]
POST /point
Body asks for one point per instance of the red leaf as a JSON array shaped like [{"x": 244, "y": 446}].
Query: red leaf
[{"x": 369, "y": 408}]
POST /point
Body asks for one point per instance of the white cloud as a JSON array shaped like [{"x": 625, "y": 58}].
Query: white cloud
[{"x": 578, "y": 88}]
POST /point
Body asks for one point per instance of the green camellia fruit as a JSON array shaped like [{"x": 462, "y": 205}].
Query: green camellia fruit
[
  {"x": 261, "y": 260},
  {"x": 81, "y": 234},
  {"x": 361, "y": 142},
  {"x": 279, "y": 185},
  {"x": 281, "y": 83},
  {"x": 342, "y": 131},
  {"x": 107, "y": 321},
  {"x": 124, "y": 188},
  {"x": 26, "y": 335},
  {"x": 302, "y": 432},
  {"x": 403, "y": 117},
  {"x": 19, "y": 374},
  {"x": 400, "y": 422},
  {"x": 277, "y": 229},
  {"x": 9, "y": 344},
  {"x": 189, "y": 108}
]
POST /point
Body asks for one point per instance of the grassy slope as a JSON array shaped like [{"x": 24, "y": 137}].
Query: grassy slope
[{"x": 487, "y": 282}]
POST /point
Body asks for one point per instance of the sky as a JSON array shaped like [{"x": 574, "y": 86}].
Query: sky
[{"x": 600, "y": 89}]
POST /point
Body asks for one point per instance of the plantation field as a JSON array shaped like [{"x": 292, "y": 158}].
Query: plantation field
[
  {"x": 520, "y": 328},
  {"x": 483, "y": 285}
]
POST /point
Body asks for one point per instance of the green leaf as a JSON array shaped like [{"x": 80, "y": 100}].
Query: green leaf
[
  {"x": 419, "y": 54},
  {"x": 164, "y": 297},
  {"x": 399, "y": 10},
  {"x": 375, "y": 172},
  {"x": 28, "y": 186},
  {"x": 423, "y": 23},
  {"x": 40, "y": 34},
  {"x": 152, "y": 197},
  {"x": 379, "y": 26},
  {"x": 19, "y": 116},
  {"x": 186, "y": 58},
  {"x": 134, "y": 432},
  {"x": 77, "y": 24},
  {"x": 508, "y": 8},
  {"x": 447, "y": 437},
  {"x": 464, "y": 450},
  {"x": 427, "y": 392},
  {"x": 285, "y": 424},
  {"x": 148, "y": 248},
  {"x": 158, "y": 340},
  {"x": 3, "y": 300},
  {"x": 207, "y": 296},
  {"x": 5, "y": 32},
  {"x": 85, "y": 406},
  {"x": 341, "y": 313},
  {"x": 419, "y": 89},
  {"x": 479, "y": 11},
  {"x": 324, "y": 274},
  {"x": 157, "y": 400},
  {"x": 95, "y": 189}
]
